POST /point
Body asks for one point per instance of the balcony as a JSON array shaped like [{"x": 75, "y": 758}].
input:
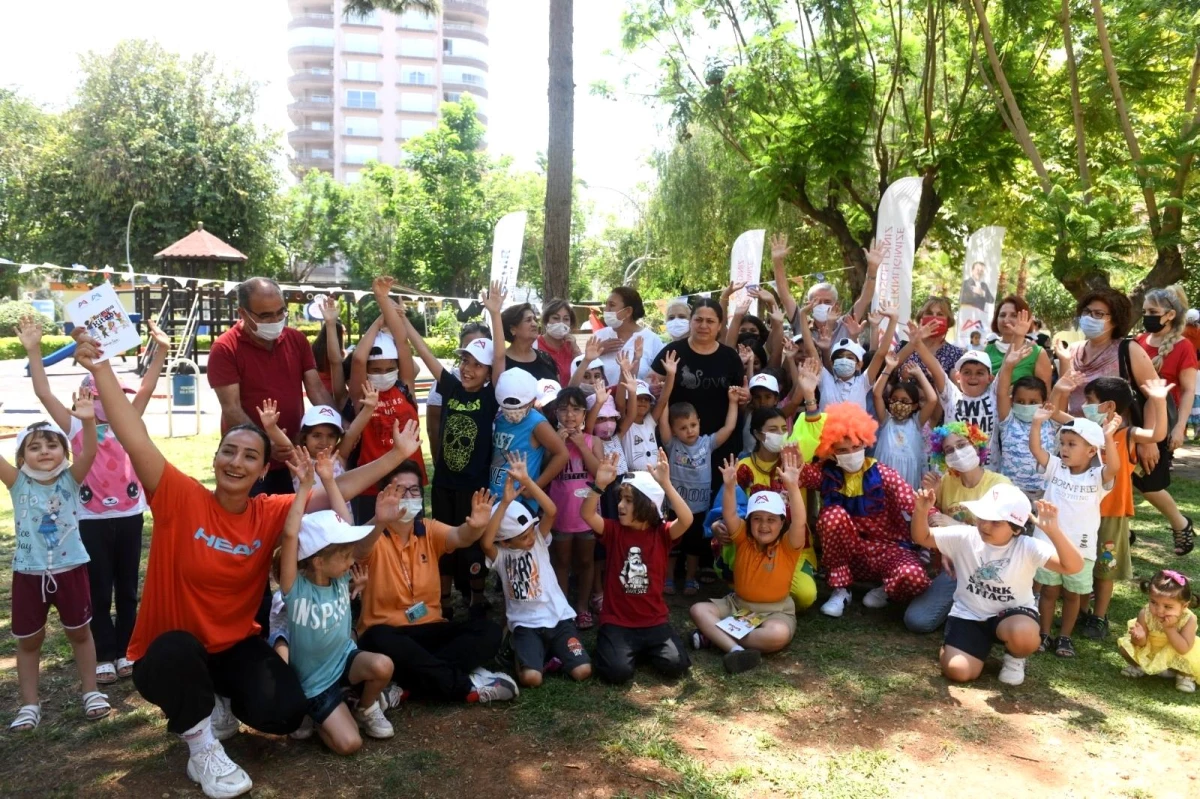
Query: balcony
[
  {"x": 371, "y": 20},
  {"x": 312, "y": 106},
  {"x": 464, "y": 61},
  {"x": 305, "y": 6},
  {"x": 465, "y": 8},
  {"x": 311, "y": 20},
  {"x": 311, "y": 78},
  {"x": 303, "y": 163},
  {"x": 362, "y": 109},
  {"x": 301, "y": 54},
  {"x": 467, "y": 31},
  {"x": 309, "y": 136},
  {"x": 458, "y": 86}
]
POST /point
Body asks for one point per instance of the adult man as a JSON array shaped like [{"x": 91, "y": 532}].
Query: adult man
[{"x": 262, "y": 358}]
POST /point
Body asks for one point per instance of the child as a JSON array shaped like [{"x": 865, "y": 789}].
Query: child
[
  {"x": 847, "y": 382},
  {"x": 973, "y": 399},
  {"x": 433, "y": 400},
  {"x": 691, "y": 473},
  {"x": 321, "y": 431},
  {"x": 910, "y": 406},
  {"x": 1076, "y": 487},
  {"x": 49, "y": 561},
  {"x": 539, "y": 617},
  {"x": 316, "y": 553},
  {"x": 1016, "y": 405},
  {"x": 766, "y": 557},
  {"x": 634, "y": 622},
  {"x": 636, "y": 428},
  {"x": 520, "y": 428},
  {"x": 1162, "y": 639},
  {"x": 994, "y": 566},
  {"x": 573, "y": 544}
]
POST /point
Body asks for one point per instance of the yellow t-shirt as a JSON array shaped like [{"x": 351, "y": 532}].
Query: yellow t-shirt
[{"x": 952, "y": 494}]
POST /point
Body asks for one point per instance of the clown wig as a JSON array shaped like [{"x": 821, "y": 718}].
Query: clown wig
[
  {"x": 970, "y": 432},
  {"x": 846, "y": 420}
]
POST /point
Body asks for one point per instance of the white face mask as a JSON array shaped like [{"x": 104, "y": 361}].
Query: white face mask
[
  {"x": 384, "y": 381},
  {"x": 845, "y": 367},
  {"x": 558, "y": 330},
  {"x": 852, "y": 461},
  {"x": 45, "y": 475},
  {"x": 515, "y": 415},
  {"x": 612, "y": 318},
  {"x": 409, "y": 508},
  {"x": 269, "y": 331},
  {"x": 963, "y": 460},
  {"x": 821, "y": 312},
  {"x": 773, "y": 442},
  {"x": 678, "y": 328}
]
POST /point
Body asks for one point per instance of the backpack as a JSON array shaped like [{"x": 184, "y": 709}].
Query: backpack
[{"x": 1137, "y": 410}]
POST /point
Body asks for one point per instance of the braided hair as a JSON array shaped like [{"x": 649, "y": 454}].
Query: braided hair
[{"x": 1171, "y": 298}]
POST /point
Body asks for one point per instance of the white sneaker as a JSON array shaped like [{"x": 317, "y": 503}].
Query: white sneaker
[
  {"x": 225, "y": 725},
  {"x": 391, "y": 697},
  {"x": 876, "y": 598},
  {"x": 1185, "y": 683},
  {"x": 304, "y": 731},
  {"x": 1013, "y": 670},
  {"x": 836, "y": 605},
  {"x": 219, "y": 777},
  {"x": 491, "y": 686},
  {"x": 372, "y": 721}
]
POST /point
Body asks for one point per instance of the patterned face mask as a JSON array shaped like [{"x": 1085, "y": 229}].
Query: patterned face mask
[{"x": 515, "y": 415}]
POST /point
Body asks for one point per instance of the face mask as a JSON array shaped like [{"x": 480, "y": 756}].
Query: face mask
[
  {"x": 772, "y": 442},
  {"x": 587, "y": 389},
  {"x": 1152, "y": 323},
  {"x": 1090, "y": 328},
  {"x": 963, "y": 460},
  {"x": 605, "y": 430},
  {"x": 409, "y": 508},
  {"x": 678, "y": 328},
  {"x": 382, "y": 382},
  {"x": 901, "y": 410},
  {"x": 1093, "y": 413},
  {"x": 515, "y": 415},
  {"x": 852, "y": 461},
  {"x": 269, "y": 331},
  {"x": 612, "y": 318},
  {"x": 1024, "y": 413},
  {"x": 558, "y": 329},
  {"x": 821, "y": 312},
  {"x": 45, "y": 475},
  {"x": 845, "y": 367},
  {"x": 937, "y": 320}
]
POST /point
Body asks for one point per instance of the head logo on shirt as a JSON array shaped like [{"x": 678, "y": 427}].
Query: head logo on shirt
[{"x": 224, "y": 545}]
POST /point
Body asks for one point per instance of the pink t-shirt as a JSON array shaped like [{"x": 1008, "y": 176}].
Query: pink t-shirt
[
  {"x": 111, "y": 489},
  {"x": 569, "y": 489}
]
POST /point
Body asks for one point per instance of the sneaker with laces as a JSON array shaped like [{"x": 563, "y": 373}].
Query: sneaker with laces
[
  {"x": 304, "y": 731},
  {"x": 1185, "y": 683},
  {"x": 225, "y": 725},
  {"x": 1012, "y": 671},
  {"x": 1093, "y": 627},
  {"x": 836, "y": 605},
  {"x": 372, "y": 720},
  {"x": 491, "y": 686},
  {"x": 219, "y": 777},
  {"x": 876, "y": 598},
  {"x": 391, "y": 697}
]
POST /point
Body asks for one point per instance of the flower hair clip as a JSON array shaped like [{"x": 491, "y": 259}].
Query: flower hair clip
[{"x": 1170, "y": 574}]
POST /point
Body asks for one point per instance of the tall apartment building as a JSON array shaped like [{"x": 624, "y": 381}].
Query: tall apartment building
[{"x": 362, "y": 86}]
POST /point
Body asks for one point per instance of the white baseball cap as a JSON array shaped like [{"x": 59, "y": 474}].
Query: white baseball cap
[
  {"x": 1003, "y": 503},
  {"x": 974, "y": 356},
  {"x": 321, "y": 414},
  {"x": 45, "y": 425},
  {"x": 516, "y": 387},
  {"x": 384, "y": 349},
  {"x": 480, "y": 349},
  {"x": 517, "y": 519},
  {"x": 1192, "y": 316},
  {"x": 547, "y": 392},
  {"x": 850, "y": 345},
  {"x": 648, "y": 486},
  {"x": 324, "y": 527},
  {"x": 764, "y": 380},
  {"x": 1086, "y": 429},
  {"x": 595, "y": 364},
  {"x": 643, "y": 389},
  {"x": 767, "y": 502}
]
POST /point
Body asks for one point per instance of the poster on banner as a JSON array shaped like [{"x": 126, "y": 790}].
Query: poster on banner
[
  {"x": 981, "y": 277},
  {"x": 101, "y": 314},
  {"x": 506, "y": 251},
  {"x": 895, "y": 233},
  {"x": 745, "y": 266}
]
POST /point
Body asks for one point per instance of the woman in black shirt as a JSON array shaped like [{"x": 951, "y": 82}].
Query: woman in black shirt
[{"x": 521, "y": 329}]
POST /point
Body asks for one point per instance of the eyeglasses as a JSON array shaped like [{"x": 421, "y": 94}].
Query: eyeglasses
[
  {"x": 270, "y": 316},
  {"x": 411, "y": 492},
  {"x": 1096, "y": 313}
]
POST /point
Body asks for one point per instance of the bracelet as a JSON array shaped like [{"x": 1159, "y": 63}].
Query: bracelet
[{"x": 596, "y": 488}]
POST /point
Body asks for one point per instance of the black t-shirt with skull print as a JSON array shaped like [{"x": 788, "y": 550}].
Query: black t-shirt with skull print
[{"x": 467, "y": 418}]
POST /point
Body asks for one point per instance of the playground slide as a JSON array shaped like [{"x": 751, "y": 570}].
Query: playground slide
[{"x": 55, "y": 357}]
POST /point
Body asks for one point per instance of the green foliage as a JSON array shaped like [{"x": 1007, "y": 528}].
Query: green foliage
[
  {"x": 11, "y": 313},
  {"x": 313, "y": 223},
  {"x": 11, "y": 347}
]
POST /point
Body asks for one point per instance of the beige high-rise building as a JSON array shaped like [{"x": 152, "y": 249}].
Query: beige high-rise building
[{"x": 362, "y": 86}]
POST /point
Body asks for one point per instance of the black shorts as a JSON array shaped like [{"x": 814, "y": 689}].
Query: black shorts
[
  {"x": 321, "y": 706},
  {"x": 977, "y": 638},
  {"x": 534, "y": 646},
  {"x": 1160, "y": 478}
]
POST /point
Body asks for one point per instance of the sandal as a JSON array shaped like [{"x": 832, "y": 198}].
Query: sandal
[
  {"x": 95, "y": 705},
  {"x": 106, "y": 673},
  {"x": 584, "y": 620},
  {"x": 1047, "y": 643},
  {"x": 1063, "y": 647},
  {"x": 691, "y": 588},
  {"x": 28, "y": 718},
  {"x": 669, "y": 587},
  {"x": 1184, "y": 539},
  {"x": 124, "y": 668}
]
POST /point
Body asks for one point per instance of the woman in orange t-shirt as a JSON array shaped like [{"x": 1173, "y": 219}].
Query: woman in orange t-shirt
[{"x": 196, "y": 648}]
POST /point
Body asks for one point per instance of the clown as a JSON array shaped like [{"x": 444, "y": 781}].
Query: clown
[{"x": 862, "y": 523}]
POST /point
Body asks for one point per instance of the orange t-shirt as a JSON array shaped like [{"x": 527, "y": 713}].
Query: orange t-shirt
[
  {"x": 394, "y": 406},
  {"x": 207, "y": 567},
  {"x": 1119, "y": 501},
  {"x": 402, "y": 576},
  {"x": 760, "y": 576}
]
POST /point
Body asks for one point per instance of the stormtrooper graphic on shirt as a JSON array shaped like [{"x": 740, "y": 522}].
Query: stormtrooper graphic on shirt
[{"x": 635, "y": 577}]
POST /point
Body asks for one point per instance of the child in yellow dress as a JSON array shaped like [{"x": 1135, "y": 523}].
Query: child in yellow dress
[{"x": 1162, "y": 639}]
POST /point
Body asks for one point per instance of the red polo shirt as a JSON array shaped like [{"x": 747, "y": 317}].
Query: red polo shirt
[{"x": 260, "y": 373}]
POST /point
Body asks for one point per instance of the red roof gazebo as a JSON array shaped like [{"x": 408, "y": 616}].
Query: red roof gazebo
[{"x": 201, "y": 251}]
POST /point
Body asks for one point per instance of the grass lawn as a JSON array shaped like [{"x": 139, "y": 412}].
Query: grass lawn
[{"x": 853, "y": 708}]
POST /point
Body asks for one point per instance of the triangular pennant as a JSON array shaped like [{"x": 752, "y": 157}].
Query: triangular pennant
[
  {"x": 228, "y": 286},
  {"x": 358, "y": 295},
  {"x": 183, "y": 281},
  {"x": 27, "y": 268},
  {"x": 463, "y": 304},
  {"x": 153, "y": 278}
]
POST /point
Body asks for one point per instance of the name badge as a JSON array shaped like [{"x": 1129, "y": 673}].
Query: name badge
[{"x": 416, "y": 612}]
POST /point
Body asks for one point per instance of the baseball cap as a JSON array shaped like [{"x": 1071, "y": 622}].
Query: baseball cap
[
  {"x": 516, "y": 387},
  {"x": 643, "y": 389},
  {"x": 764, "y": 380},
  {"x": 384, "y": 349},
  {"x": 319, "y": 530},
  {"x": 609, "y": 408},
  {"x": 1003, "y": 503},
  {"x": 547, "y": 391},
  {"x": 1086, "y": 429},
  {"x": 767, "y": 502},
  {"x": 480, "y": 349},
  {"x": 517, "y": 519},
  {"x": 1192, "y": 315},
  {"x": 974, "y": 356},
  {"x": 648, "y": 486},
  {"x": 321, "y": 414},
  {"x": 850, "y": 345},
  {"x": 46, "y": 425},
  {"x": 595, "y": 364}
]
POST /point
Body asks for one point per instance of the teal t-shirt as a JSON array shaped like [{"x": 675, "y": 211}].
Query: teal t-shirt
[
  {"x": 47, "y": 522},
  {"x": 319, "y": 631}
]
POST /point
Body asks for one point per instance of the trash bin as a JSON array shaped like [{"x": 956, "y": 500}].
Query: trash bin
[{"x": 183, "y": 389}]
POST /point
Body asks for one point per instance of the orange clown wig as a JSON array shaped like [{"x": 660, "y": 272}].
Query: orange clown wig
[{"x": 846, "y": 420}]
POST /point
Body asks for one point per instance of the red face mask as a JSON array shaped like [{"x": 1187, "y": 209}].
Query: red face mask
[{"x": 938, "y": 321}]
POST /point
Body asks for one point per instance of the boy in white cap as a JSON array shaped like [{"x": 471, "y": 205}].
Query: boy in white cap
[
  {"x": 540, "y": 619},
  {"x": 520, "y": 428},
  {"x": 973, "y": 398},
  {"x": 994, "y": 565},
  {"x": 1075, "y": 484}
]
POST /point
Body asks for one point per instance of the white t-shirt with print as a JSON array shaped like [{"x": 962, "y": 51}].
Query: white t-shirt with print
[
  {"x": 1077, "y": 497},
  {"x": 981, "y": 410},
  {"x": 532, "y": 597},
  {"x": 833, "y": 390},
  {"x": 651, "y": 344},
  {"x": 991, "y": 579},
  {"x": 641, "y": 444}
]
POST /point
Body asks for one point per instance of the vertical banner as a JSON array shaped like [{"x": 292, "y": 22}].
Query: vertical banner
[
  {"x": 745, "y": 266},
  {"x": 981, "y": 275},
  {"x": 506, "y": 250},
  {"x": 895, "y": 233}
]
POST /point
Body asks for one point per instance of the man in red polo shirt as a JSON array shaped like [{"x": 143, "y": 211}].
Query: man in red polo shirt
[{"x": 262, "y": 358}]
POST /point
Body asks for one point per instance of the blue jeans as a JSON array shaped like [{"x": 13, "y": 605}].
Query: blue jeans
[{"x": 929, "y": 611}]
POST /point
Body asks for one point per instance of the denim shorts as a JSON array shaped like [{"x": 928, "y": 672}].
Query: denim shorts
[{"x": 321, "y": 706}]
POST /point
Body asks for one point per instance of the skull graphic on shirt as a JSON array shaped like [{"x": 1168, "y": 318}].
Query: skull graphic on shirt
[{"x": 458, "y": 441}]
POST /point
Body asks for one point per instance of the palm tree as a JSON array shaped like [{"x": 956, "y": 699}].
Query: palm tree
[
  {"x": 358, "y": 8},
  {"x": 559, "y": 152}
]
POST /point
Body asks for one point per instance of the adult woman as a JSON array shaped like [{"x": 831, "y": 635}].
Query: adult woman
[
  {"x": 622, "y": 333},
  {"x": 1104, "y": 319},
  {"x": 707, "y": 369},
  {"x": 402, "y": 606},
  {"x": 1011, "y": 322},
  {"x": 1163, "y": 317},
  {"x": 521, "y": 332},
  {"x": 679, "y": 318},
  {"x": 558, "y": 320},
  {"x": 196, "y": 649},
  {"x": 937, "y": 316}
]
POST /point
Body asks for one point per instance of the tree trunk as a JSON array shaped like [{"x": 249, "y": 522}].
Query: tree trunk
[
  {"x": 557, "y": 233},
  {"x": 1168, "y": 269},
  {"x": 1085, "y": 178}
]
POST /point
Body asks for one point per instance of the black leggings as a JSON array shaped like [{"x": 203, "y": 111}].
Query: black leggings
[
  {"x": 619, "y": 649},
  {"x": 434, "y": 660},
  {"x": 115, "y": 549},
  {"x": 179, "y": 676}
]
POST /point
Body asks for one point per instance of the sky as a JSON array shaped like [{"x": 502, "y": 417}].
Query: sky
[{"x": 612, "y": 137}]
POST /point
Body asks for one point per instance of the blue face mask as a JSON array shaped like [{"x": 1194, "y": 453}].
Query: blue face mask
[
  {"x": 1024, "y": 413},
  {"x": 1094, "y": 414},
  {"x": 1092, "y": 327},
  {"x": 845, "y": 367}
]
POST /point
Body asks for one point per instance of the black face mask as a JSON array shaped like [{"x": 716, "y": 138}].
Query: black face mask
[{"x": 1152, "y": 323}]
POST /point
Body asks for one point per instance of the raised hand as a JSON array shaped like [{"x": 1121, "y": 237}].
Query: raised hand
[
  {"x": 329, "y": 308},
  {"x": 408, "y": 440},
  {"x": 923, "y": 502},
  {"x": 518, "y": 468},
  {"x": 931, "y": 481},
  {"x": 671, "y": 363},
  {"x": 661, "y": 470},
  {"x": 268, "y": 413},
  {"x": 591, "y": 350},
  {"x": 909, "y": 371},
  {"x": 358, "y": 577},
  {"x": 606, "y": 472},
  {"x": 854, "y": 328},
  {"x": 630, "y": 383},
  {"x": 789, "y": 468},
  {"x": 1022, "y": 323},
  {"x": 638, "y": 344},
  {"x": 625, "y": 363},
  {"x": 779, "y": 246},
  {"x": 874, "y": 255},
  {"x": 84, "y": 402},
  {"x": 512, "y": 489},
  {"x": 494, "y": 296},
  {"x": 481, "y": 508},
  {"x": 29, "y": 332},
  {"x": 1016, "y": 353},
  {"x": 160, "y": 338},
  {"x": 1069, "y": 382},
  {"x": 370, "y": 397},
  {"x": 382, "y": 286},
  {"x": 888, "y": 311},
  {"x": 300, "y": 464},
  {"x": 1044, "y": 413},
  {"x": 602, "y": 393},
  {"x": 1112, "y": 425},
  {"x": 743, "y": 307},
  {"x": 324, "y": 467},
  {"x": 729, "y": 470},
  {"x": 1046, "y": 516},
  {"x": 731, "y": 289},
  {"x": 809, "y": 376},
  {"x": 1157, "y": 388},
  {"x": 387, "y": 506},
  {"x": 890, "y": 362},
  {"x": 746, "y": 356},
  {"x": 87, "y": 350}
]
